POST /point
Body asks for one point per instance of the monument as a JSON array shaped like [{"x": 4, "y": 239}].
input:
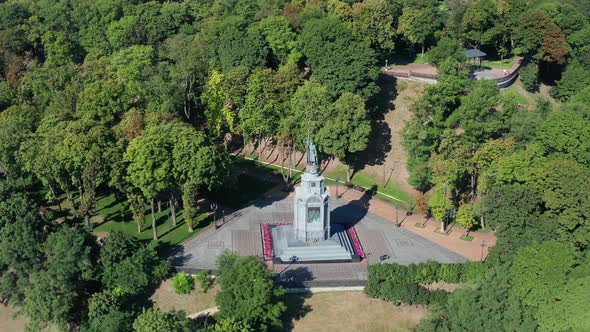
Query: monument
[
  {"x": 312, "y": 203},
  {"x": 312, "y": 237}
]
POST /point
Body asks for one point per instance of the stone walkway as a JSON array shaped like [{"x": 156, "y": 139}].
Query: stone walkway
[
  {"x": 471, "y": 250},
  {"x": 377, "y": 235}
]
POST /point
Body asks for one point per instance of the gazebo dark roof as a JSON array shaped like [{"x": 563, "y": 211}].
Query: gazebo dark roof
[{"x": 473, "y": 53}]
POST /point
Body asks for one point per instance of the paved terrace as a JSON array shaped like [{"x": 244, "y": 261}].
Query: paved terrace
[{"x": 377, "y": 234}]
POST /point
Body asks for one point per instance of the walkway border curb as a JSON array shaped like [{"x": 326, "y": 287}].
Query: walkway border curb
[{"x": 324, "y": 289}]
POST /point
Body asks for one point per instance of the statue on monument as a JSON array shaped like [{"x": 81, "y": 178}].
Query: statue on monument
[
  {"x": 312, "y": 153},
  {"x": 312, "y": 156}
]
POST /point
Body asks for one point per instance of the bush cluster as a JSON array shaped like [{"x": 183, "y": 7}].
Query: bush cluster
[
  {"x": 402, "y": 284},
  {"x": 183, "y": 283}
]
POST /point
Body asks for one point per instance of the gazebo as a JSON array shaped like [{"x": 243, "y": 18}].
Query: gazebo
[{"x": 474, "y": 54}]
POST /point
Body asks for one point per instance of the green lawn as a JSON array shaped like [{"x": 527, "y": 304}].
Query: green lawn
[
  {"x": 359, "y": 179},
  {"x": 364, "y": 180},
  {"x": 517, "y": 92},
  {"x": 420, "y": 59},
  {"x": 506, "y": 64},
  {"x": 115, "y": 216}
]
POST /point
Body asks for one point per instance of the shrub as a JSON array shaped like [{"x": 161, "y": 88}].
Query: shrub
[
  {"x": 203, "y": 280},
  {"x": 401, "y": 284},
  {"x": 528, "y": 77},
  {"x": 397, "y": 284},
  {"x": 472, "y": 271},
  {"x": 183, "y": 283},
  {"x": 162, "y": 270}
]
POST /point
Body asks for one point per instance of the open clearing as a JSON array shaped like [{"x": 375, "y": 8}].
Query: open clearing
[
  {"x": 166, "y": 299},
  {"x": 349, "y": 311}
]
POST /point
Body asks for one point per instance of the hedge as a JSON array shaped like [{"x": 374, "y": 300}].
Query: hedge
[{"x": 401, "y": 284}]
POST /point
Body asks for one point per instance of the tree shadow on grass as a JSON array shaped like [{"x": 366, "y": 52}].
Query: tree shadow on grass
[
  {"x": 380, "y": 139},
  {"x": 296, "y": 309}
]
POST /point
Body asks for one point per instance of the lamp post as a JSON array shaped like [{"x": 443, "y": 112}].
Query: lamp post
[
  {"x": 214, "y": 209},
  {"x": 397, "y": 215},
  {"x": 337, "y": 180},
  {"x": 483, "y": 245}
]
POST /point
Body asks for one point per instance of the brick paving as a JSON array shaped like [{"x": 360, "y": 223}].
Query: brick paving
[
  {"x": 471, "y": 250},
  {"x": 377, "y": 235}
]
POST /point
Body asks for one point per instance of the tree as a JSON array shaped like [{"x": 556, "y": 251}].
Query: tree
[
  {"x": 101, "y": 304},
  {"x": 197, "y": 165},
  {"x": 153, "y": 319},
  {"x": 575, "y": 78},
  {"x": 375, "y": 20},
  {"x": 130, "y": 65},
  {"x": 133, "y": 274},
  {"x": 261, "y": 112},
  {"x": 477, "y": 116},
  {"x": 56, "y": 293},
  {"x": 150, "y": 164},
  {"x": 189, "y": 69},
  {"x": 445, "y": 48},
  {"x": 338, "y": 59},
  {"x": 103, "y": 101},
  {"x": 346, "y": 130},
  {"x": 439, "y": 205},
  {"x": 480, "y": 22},
  {"x": 21, "y": 233},
  {"x": 236, "y": 45},
  {"x": 248, "y": 293},
  {"x": 567, "y": 133},
  {"x": 281, "y": 38},
  {"x": 137, "y": 207},
  {"x": 309, "y": 108},
  {"x": 465, "y": 217},
  {"x": 528, "y": 77},
  {"x": 85, "y": 152},
  {"x": 17, "y": 124},
  {"x": 536, "y": 284},
  {"x": 568, "y": 311},
  {"x": 418, "y": 24},
  {"x": 515, "y": 212},
  {"x": 183, "y": 283}
]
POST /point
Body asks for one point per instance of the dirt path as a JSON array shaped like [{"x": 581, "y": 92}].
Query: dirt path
[{"x": 393, "y": 168}]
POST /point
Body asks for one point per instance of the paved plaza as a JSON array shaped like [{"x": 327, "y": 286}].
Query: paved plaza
[{"x": 241, "y": 233}]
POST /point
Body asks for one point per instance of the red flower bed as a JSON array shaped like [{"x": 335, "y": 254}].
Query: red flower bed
[
  {"x": 267, "y": 240},
  {"x": 355, "y": 242}
]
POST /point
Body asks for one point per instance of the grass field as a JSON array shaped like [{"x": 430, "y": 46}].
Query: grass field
[
  {"x": 348, "y": 311},
  {"x": 506, "y": 64},
  {"x": 9, "y": 322},
  {"x": 112, "y": 215},
  {"x": 517, "y": 92},
  {"x": 115, "y": 216},
  {"x": 166, "y": 299},
  {"x": 365, "y": 180}
]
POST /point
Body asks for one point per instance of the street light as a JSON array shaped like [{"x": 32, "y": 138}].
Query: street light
[
  {"x": 214, "y": 209},
  {"x": 337, "y": 180},
  {"x": 483, "y": 245},
  {"x": 397, "y": 215}
]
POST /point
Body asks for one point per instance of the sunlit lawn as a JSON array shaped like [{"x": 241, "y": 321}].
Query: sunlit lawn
[
  {"x": 517, "y": 92},
  {"x": 348, "y": 311},
  {"x": 359, "y": 179},
  {"x": 506, "y": 64},
  {"x": 365, "y": 180},
  {"x": 115, "y": 216},
  {"x": 420, "y": 59}
]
